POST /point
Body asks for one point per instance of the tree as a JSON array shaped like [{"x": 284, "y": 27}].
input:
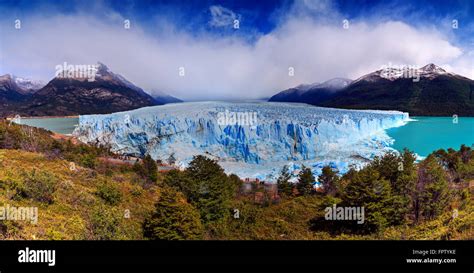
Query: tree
[
  {"x": 151, "y": 169},
  {"x": 329, "y": 180},
  {"x": 457, "y": 163},
  {"x": 235, "y": 182},
  {"x": 432, "y": 192},
  {"x": 148, "y": 169},
  {"x": 173, "y": 219},
  {"x": 449, "y": 159},
  {"x": 400, "y": 171},
  {"x": 178, "y": 180},
  {"x": 211, "y": 190},
  {"x": 388, "y": 166},
  {"x": 285, "y": 187},
  {"x": 466, "y": 153},
  {"x": 305, "y": 181},
  {"x": 371, "y": 192},
  {"x": 404, "y": 188},
  {"x": 171, "y": 159}
]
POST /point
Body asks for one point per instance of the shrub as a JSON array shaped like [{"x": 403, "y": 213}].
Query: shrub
[
  {"x": 104, "y": 223},
  {"x": 38, "y": 185},
  {"x": 136, "y": 190},
  {"x": 109, "y": 193},
  {"x": 88, "y": 161}
]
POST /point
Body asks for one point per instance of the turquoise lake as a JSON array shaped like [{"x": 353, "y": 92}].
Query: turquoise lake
[
  {"x": 59, "y": 125},
  {"x": 427, "y": 134}
]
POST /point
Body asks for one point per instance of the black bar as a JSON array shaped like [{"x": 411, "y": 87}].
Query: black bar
[{"x": 238, "y": 256}]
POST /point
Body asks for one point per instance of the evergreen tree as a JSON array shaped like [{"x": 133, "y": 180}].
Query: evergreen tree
[
  {"x": 151, "y": 169},
  {"x": 368, "y": 190},
  {"x": 448, "y": 159},
  {"x": 173, "y": 218},
  {"x": 285, "y": 187},
  {"x": 305, "y": 181},
  {"x": 400, "y": 171},
  {"x": 403, "y": 189},
  {"x": 329, "y": 180},
  {"x": 466, "y": 154},
  {"x": 235, "y": 182},
  {"x": 210, "y": 190},
  {"x": 178, "y": 180},
  {"x": 387, "y": 166},
  {"x": 465, "y": 169},
  {"x": 147, "y": 169},
  {"x": 432, "y": 189}
]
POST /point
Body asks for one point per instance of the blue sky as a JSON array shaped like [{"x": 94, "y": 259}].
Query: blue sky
[
  {"x": 259, "y": 15},
  {"x": 220, "y": 60}
]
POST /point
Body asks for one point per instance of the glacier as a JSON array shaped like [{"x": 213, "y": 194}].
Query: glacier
[{"x": 250, "y": 139}]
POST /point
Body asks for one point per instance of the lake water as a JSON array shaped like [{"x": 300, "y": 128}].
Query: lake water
[
  {"x": 58, "y": 125},
  {"x": 427, "y": 134}
]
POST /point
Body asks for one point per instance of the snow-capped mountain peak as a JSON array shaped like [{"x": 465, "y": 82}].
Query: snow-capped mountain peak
[
  {"x": 101, "y": 72},
  {"x": 432, "y": 68},
  {"x": 28, "y": 84},
  {"x": 104, "y": 73},
  {"x": 394, "y": 72},
  {"x": 20, "y": 84},
  {"x": 91, "y": 73}
]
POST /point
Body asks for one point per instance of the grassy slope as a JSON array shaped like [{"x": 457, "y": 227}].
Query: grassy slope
[{"x": 75, "y": 199}]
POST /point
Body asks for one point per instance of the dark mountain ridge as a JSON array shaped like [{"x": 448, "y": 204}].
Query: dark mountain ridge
[
  {"x": 431, "y": 91},
  {"x": 106, "y": 92}
]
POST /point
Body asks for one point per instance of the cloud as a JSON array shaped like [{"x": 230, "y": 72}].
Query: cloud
[
  {"x": 225, "y": 67},
  {"x": 222, "y": 17}
]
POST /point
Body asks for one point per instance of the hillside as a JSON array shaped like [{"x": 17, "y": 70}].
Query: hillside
[
  {"x": 444, "y": 95},
  {"x": 312, "y": 93},
  {"x": 430, "y": 91},
  {"x": 108, "y": 92},
  {"x": 78, "y": 196},
  {"x": 82, "y": 194},
  {"x": 77, "y": 210}
]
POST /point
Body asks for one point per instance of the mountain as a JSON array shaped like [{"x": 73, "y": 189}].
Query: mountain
[
  {"x": 15, "y": 88},
  {"x": 28, "y": 86},
  {"x": 426, "y": 91},
  {"x": 315, "y": 93},
  {"x": 76, "y": 94},
  {"x": 9, "y": 90},
  {"x": 107, "y": 93},
  {"x": 162, "y": 98},
  {"x": 431, "y": 92}
]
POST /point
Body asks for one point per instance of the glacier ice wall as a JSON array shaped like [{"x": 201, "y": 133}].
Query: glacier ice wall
[{"x": 252, "y": 139}]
